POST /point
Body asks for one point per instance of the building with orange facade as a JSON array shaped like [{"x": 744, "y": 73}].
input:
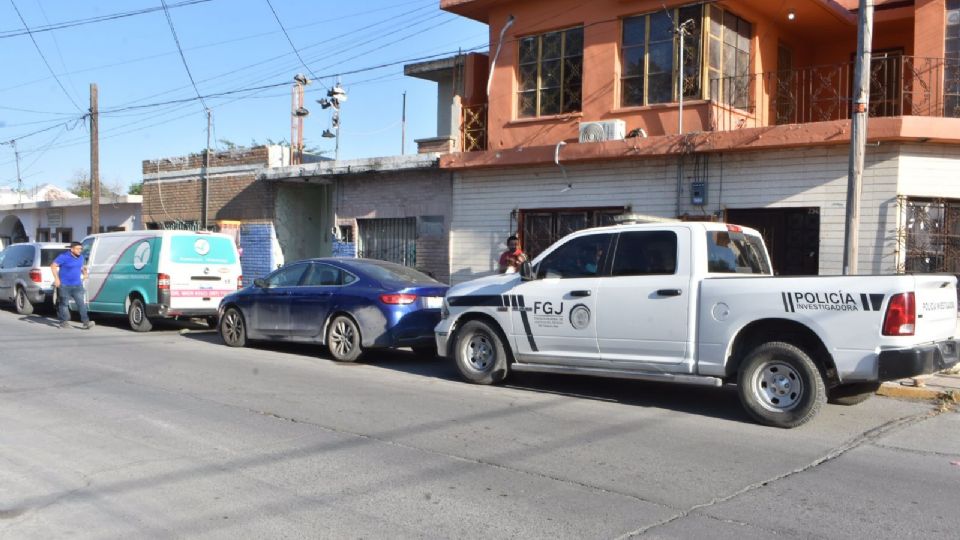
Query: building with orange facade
[{"x": 585, "y": 110}]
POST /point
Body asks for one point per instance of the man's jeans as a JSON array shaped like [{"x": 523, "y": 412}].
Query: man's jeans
[{"x": 67, "y": 292}]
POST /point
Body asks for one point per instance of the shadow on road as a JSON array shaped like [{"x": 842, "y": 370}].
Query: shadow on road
[{"x": 705, "y": 401}]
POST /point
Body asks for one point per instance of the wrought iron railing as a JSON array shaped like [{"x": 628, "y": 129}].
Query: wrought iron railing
[
  {"x": 899, "y": 86},
  {"x": 473, "y": 128}
]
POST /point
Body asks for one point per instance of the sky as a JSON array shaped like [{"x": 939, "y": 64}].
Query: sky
[{"x": 231, "y": 47}]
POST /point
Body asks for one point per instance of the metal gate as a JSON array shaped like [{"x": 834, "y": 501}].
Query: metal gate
[{"x": 388, "y": 239}]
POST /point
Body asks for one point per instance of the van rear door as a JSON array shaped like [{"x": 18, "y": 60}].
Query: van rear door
[{"x": 203, "y": 268}]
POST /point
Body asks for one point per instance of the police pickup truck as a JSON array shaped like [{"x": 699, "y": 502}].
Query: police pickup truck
[{"x": 697, "y": 303}]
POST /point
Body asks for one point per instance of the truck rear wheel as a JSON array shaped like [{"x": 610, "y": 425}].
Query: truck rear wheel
[
  {"x": 780, "y": 386},
  {"x": 137, "y": 316},
  {"x": 852, "y": 394},
  {"x": 480, "y": 354}
]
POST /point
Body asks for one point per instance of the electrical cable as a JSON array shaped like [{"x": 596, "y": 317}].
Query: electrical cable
[
  {"x": 292, "y": 46},
  {"x": 182, "y": 57},
  {"x": 40, "y": 52},
  {"x": 101, "y": 18},
  {"x": 56, "y": 46}
]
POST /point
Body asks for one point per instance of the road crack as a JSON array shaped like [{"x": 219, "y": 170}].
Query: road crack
[{"x": 867, "y": 437}]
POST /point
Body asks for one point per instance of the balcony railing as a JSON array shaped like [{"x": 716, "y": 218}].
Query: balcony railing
[
  {"x": 899, "y": 86},
  {"x": 473, "y": 128}
]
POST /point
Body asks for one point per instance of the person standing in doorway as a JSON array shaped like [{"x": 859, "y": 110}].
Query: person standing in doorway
[
  {"x": 513, "y": 257},
  {"x": 69, "y": 270}
]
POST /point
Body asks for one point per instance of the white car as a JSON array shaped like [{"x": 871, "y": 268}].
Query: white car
[{"x": 697, "y": 303}]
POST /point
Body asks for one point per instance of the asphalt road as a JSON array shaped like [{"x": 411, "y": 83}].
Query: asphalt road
[{"x": 111, "y": 434}]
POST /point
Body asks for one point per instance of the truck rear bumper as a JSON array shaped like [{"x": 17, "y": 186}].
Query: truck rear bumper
[{"x": 921, "y": 360}]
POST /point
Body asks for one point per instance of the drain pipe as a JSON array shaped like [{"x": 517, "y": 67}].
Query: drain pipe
[{"x": 493, "y": 62}]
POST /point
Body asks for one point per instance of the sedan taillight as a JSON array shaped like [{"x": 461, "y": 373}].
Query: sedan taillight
[
  {"x": 35, "y": 275},
  {"x": 398, "y": 299}
]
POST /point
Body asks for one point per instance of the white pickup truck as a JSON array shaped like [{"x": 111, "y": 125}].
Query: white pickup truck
[{"x": 697, "y": 303}]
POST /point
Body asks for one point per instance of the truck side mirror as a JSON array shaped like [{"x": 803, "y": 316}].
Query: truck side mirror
[
  {"x": 260, "y": 283},
  {"x": 526, "y": 271}
]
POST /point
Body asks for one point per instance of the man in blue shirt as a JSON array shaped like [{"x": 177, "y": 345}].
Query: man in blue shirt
[{"x": 69, "y": 270}]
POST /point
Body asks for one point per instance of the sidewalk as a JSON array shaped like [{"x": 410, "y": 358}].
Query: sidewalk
[{"x": 925, "y": 387}]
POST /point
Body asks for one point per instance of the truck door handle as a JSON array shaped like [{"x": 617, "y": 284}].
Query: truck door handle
[
  {"x": 579, "y": 294},
  {"x": 669, "y": 292}
]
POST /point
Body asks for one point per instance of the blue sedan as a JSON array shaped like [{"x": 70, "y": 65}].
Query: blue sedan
[{"x": 349, "y": 305}]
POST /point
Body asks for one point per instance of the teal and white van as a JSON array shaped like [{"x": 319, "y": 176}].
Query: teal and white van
[{"x": 148, "y": 275}]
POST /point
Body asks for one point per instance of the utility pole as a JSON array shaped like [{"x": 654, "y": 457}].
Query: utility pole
[
  {"x": 94, "y": 161},
  {"x": 16, "y": 157},
  {"x": 403, "y": 126},
  {"x": 206, "y": 174},
  {"x": 858, "y": 136}
]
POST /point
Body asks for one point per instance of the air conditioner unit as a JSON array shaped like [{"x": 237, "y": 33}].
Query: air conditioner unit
[{"x": 608, "y": 130}]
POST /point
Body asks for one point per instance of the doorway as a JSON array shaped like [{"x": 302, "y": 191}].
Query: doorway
[{"x": 792, "y": 236}]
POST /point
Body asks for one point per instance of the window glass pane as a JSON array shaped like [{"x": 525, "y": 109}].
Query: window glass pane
[
  {"x": 550, "y": 74},
  {"x": 573, "y": 42},
  {"x": 528, "y": 50},
  {"x": 550, "y": 101},
  {"x": 288, "y": 276},
  {"x": 660, "y": 58},
  {"x": 550, "y": 46},
  {"x": 578, "y": 258},
  {"x": 322, "y": 275},
  {"x": 729, "y": 61},
  {"x": 729, "y": 28},
  {"x": 392, "y": 273},
  {"x": 744, "y": 32},
  {"x": 716, "y": 21},
  {"x": 661, "y": 27},
  {"x": 48, "y": 255},
  {"x": 527, "y": 105},
  {"x": 528, "y": 77},
  {"x": 633, "y": 91},
  {"x": 646, "y": 253},
  {"x": 633, "y": 62},
  {"x": 660, "y": 88},
  {"x": 634, "y": 31},
  {"x": 714, "y": 54},
  {"x": 743, "y": 64},
  {"x": 735, "y": 253}
]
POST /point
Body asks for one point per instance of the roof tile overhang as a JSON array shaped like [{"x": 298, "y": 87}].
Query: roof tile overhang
[{"x": 898, "y": 129}]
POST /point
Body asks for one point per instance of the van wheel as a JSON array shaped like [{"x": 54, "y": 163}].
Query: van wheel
[
  {"x": 480, "y": 354},
  {"x": 232, "y": 330},
  {"x": 852, "y": 394},
  {"x": 23, "y": 304},
  {"x": 343, "y": 339},
  {"x": 137, "y": 316},
  {"x": 780, "y": 386}
]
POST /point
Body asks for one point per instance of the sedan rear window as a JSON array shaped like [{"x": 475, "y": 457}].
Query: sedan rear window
[
  {"x": 48, "y": 255},
  {"x": 736, "y": 253},
  {"x": 391, "y": 272}
]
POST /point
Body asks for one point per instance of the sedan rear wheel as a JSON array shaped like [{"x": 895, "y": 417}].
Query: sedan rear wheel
[
  {"x": 343, "y": 339},
  {"x": 232, "y": 330}
]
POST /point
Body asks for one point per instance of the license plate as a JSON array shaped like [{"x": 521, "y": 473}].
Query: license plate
[{"x": 434, "y": 302}]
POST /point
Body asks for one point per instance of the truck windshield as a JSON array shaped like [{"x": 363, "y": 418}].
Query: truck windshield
[{"x": 736, "y": 253}]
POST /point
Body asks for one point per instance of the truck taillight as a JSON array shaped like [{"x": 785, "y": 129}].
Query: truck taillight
[
  {"x": 901, "y": 316},
  {"x": 163, "y": 282},
  {"x": 239, "y": 282},
  {"x": 35, "y": 276},
  {"x": 398, "y": 299}
]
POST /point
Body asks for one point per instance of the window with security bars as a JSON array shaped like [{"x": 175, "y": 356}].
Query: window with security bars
[
  {"x": 951, "y": 76},
  {"x": 932, "y": 234},
  {"x": 551, "y": 73},
  {"x": 540, "y": 228},
  {"x": 728, "y": 57},
  {"x": 650, "y": 57}
]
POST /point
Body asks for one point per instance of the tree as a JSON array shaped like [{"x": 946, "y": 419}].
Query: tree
[
  {"x": 80, "y": 186},
  {"x": 135, "y": 189}
]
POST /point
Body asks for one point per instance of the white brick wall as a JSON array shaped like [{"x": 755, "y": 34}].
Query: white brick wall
[{"x": 803, "y": 177}]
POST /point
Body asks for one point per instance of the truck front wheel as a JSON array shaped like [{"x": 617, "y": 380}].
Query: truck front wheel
[
  {"x": 780, "y": 386},
  {"x": 480, "y": 354}
]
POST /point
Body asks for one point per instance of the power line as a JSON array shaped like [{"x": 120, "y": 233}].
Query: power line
[
  {"x": 182, "y": 57},
  {"x": 292, "y": 46},
  {"x": 60, "y": 84},
  {"x": 56, "y": 45},
  {"x": 101, "y": 18}
]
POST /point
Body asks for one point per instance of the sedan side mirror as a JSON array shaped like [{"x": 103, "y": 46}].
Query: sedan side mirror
[
  {"x": 526, "y": 271},
  {"x": 260, "y": 283}
]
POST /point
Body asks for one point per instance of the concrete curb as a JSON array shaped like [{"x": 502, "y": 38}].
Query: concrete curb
[{"x": 897, "y": 390}]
